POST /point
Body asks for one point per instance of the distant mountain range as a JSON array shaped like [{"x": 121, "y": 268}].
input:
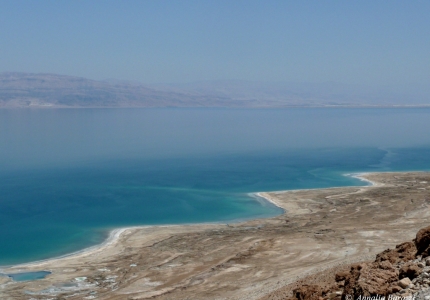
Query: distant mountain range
[
  {"x": 51, "y": 90},
  {"x": 43, "y": 90}
]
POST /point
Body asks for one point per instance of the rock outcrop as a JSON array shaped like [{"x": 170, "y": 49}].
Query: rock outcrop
[
  {"x": 403, "y": 271},
  {"x": 422, "y": 242}
]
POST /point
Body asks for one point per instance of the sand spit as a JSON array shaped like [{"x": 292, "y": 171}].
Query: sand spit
[
  {"x": 365, "y": 177},
  {"x": 248, "y": 260}
]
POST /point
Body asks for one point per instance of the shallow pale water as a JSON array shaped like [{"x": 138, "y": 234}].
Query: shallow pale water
[
  {"x": 26, "y": 276},
  {"x": 68, "y": 176}
]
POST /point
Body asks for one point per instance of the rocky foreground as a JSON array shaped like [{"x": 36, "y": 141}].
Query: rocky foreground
[
  {"x": 294, "y": 255},
  {"x": 394, "y": 274}
]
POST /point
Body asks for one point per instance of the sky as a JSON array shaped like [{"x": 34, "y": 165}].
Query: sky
[{"x": 379, "y": 43}]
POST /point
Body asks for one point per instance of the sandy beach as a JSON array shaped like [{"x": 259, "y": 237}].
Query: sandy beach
[{"x": 255, "y": 259}]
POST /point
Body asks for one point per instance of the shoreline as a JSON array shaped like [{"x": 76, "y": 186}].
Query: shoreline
[
  {"x": 320, "y": 229},
  {"x": 112, "y": 238},
  {"x": 114, "y": 235},
  {"x": 361, "y": 177}
]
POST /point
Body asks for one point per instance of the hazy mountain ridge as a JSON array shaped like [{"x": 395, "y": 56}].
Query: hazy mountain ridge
[
  {"x": 25, "y": 89},
  {"x": 312, "y": 94},
  {"x": 51, "y": 90}
]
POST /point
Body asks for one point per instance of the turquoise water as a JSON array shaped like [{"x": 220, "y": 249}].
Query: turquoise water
[
  {"x": 69, "y": 176},
  {"x": 26, "y": 276}
]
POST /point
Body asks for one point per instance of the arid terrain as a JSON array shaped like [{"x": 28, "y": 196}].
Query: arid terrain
[{"x": 258, "y": 259}]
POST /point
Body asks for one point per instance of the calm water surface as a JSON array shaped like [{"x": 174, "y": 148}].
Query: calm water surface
[{"x": 68, "y": 176}]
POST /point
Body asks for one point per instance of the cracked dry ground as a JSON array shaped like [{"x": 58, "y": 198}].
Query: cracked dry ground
[{"x": 250, "y": 260}]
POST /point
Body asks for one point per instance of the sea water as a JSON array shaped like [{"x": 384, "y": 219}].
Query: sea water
[
  {"x": 27, "y": 276},
  {"x": 68, "y": 176}
]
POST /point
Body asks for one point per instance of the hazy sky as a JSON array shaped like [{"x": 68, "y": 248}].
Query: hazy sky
[{"x": 361, "y": 42}]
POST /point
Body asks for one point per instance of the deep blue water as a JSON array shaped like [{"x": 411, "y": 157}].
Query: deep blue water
[{"x": 68, "y": 176}]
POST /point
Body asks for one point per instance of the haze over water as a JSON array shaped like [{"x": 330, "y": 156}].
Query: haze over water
[{"x": 68, "y": 176}]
